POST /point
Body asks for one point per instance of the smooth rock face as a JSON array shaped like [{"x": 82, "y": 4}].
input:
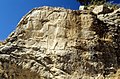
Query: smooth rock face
[{"x": 55, "y": 43}]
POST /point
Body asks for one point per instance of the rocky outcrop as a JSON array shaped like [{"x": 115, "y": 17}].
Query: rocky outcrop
[{"x": 55, "y": 43}]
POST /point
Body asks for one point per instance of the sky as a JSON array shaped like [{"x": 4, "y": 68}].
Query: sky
[{"x": 11, "y": 11}]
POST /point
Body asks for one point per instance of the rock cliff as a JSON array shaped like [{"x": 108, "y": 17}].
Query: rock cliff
[{"x": 55, "y": 43}]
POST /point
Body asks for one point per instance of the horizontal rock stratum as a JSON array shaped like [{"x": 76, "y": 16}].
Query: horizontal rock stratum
[{"x": 57, "y": 43}]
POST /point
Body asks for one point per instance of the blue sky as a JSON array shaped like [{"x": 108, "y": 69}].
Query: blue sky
[{"x": 11, "y": 11}]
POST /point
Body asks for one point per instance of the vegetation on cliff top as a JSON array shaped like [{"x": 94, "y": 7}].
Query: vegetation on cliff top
[
  {"x": 109, "y": 3},
  {"x": 92, "y": 2}
]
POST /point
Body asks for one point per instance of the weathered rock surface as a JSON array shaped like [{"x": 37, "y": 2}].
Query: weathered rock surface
[{"x": 55, "y": 43}]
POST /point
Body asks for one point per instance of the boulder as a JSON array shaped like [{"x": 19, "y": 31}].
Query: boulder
[
  {"x": 82, "y": 7},
  {"x": 101, "y": 9}
]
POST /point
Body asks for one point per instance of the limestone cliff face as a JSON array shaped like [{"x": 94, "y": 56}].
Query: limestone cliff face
[{"x": 55, "y": 43}]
